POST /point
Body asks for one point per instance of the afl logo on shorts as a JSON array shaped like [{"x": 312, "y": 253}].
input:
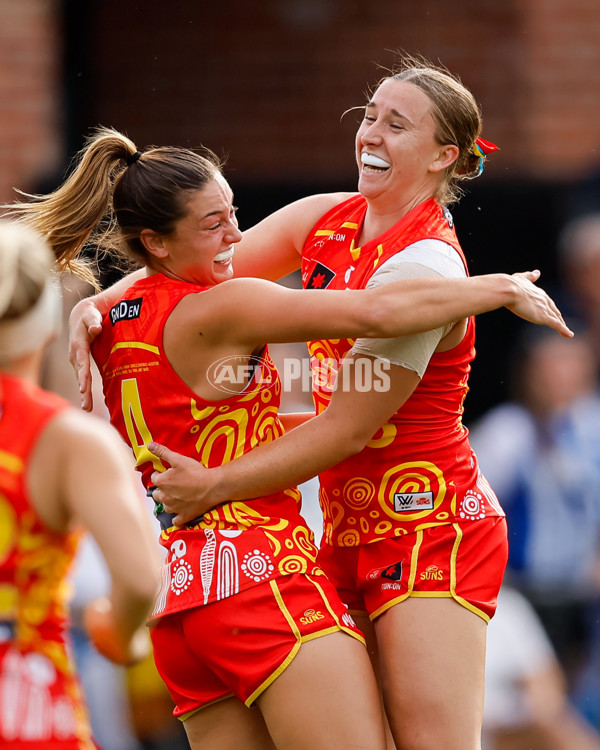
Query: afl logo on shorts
[
  {"x": 311, "y": 615},
  {"x": 432, "y": 573}
]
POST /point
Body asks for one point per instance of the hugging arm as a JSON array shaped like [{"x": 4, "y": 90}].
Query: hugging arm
[
  {"x": 402, "y": 308},
  {"x": 85, "y": 323},
  {"x": 342, "y": 430}
]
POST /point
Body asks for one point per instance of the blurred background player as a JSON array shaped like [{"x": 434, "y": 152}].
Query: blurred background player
[{"x": 60, "y": 471}]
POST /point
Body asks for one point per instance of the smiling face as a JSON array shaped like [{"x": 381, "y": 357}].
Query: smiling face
[
  {"x": 200, "y": 248},
  {"x": 400, "y": 161}
]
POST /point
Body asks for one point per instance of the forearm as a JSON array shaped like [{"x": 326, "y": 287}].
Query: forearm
[
  {"x": 129, "y": 610},
  {"x": 416, "y": 305},
  {"x": 299, "y": 455},
  {"x": 295, "y": 419},
  {"x": 342, "y": 430}
]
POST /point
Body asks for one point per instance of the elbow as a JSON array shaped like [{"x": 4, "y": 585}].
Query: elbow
[
  {"x": 357, "y": 441},
  {"x": 388, "y": 316},
  {"x": 349, "y": 440},
  {"x": 142, "y": 588},
  {"x": 377, "y": 320},
  {"x": 142, "y": 594}
]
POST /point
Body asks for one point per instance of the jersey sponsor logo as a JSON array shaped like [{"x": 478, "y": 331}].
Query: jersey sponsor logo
[
  {"x": 395, "y": 586},
  {"x": 411, "y": 501},
  {"x": 392, "y": 572},
  {"x": 126, "y": 309},
  {"x": 432, "y": 573},
  {"x": 311, "y": 615},
  {"x": 320, "y": 278},
  {"x": 329, "y": 236}
]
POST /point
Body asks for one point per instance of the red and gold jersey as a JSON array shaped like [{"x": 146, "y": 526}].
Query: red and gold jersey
[
  {"x": 41, "y": 704},
  {"x": 418, "y": 469},
  {"x": 237, "y": 544}
]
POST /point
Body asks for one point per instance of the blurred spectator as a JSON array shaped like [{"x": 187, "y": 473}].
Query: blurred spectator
[
  {"x": 526, "y": 707},
  {"x": 579, "y": 255},
  {"x": 541, "y": 454}
]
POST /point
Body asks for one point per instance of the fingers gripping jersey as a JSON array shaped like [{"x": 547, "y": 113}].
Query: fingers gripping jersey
[
  {"x": 238, "y": 544},
  {"x": 418, "y": 469},
  {"x": 41, "y": 704}
]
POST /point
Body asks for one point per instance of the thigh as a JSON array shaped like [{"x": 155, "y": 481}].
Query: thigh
[
  {"x": 432, "y": 660},
  {"x": 228, "y": 725},
  {"x": 326, "y": 698},
  {"x": 240, "y": 645},
  {"x": 364, "y": 624}
]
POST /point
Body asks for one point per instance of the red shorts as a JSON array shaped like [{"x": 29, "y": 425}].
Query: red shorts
[
  {"x": 240, "y": 645},
  {"x": 464, "y": 561}
]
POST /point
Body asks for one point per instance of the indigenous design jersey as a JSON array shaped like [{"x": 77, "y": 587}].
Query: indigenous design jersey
[
  {"x": 41, "y": 704},
  {"x": 235, "y": 545},
  {"x": 418, "y": 469}
]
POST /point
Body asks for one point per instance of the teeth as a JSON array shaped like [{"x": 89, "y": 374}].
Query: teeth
[
  {"x": 373, "y": 161},
  {"x": 224, "y": 256}
]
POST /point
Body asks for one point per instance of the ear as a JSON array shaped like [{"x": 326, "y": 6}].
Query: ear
[
  {"x": 446, "y": 156},
  {"x": 153, "y": 243}
]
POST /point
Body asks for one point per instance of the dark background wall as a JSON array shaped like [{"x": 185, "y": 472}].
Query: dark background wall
[{"x": 265, "y": 83}]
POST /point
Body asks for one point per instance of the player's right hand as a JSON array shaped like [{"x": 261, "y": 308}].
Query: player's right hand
[{"x": 85, "y": 323}]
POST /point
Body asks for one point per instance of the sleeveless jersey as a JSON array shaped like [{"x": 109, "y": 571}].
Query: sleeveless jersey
[
  {"x": 418, "y": 469},
  {"x": 237, "y": 544},
  {"x": 41, "y": 703}
]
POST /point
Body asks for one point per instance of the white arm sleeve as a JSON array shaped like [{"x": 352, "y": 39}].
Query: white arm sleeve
[{"x": 427, "y": 258}]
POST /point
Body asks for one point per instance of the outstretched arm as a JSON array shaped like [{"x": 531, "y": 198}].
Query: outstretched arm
[
  {"x": 242, "y": 309},
  {"x": 401, "y": 308}
]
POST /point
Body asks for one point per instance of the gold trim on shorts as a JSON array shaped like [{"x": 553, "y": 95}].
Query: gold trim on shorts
[
  {"x": 189, "y": 714},
  {"x": 300, "y": 639},
  {"x": 450, "y": 594}
]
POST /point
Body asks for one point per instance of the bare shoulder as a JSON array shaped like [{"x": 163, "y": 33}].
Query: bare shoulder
[
  {"x": 221, "y": 302},
  {"x": 313, "y": 207},
  {"x": 78, "y": 454},
  {"x": 74, "y": 434},
  {"x": 296, "y": 219}
]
